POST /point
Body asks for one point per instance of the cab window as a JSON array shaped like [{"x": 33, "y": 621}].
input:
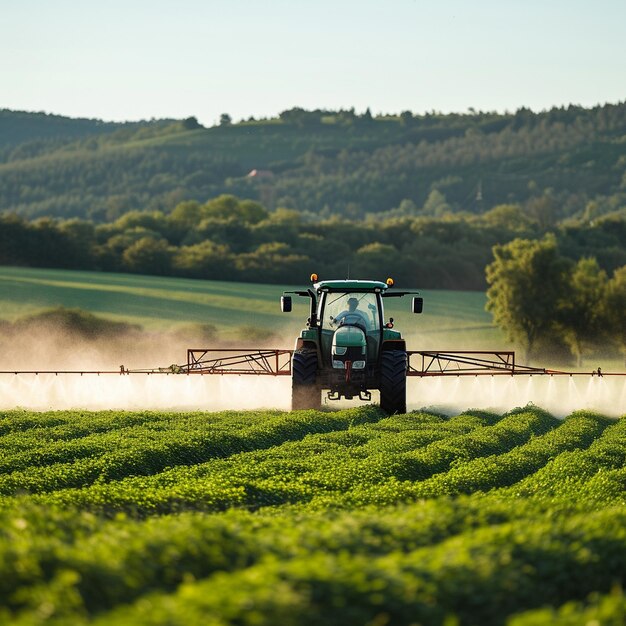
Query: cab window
[{"x": 357, "y": 309}]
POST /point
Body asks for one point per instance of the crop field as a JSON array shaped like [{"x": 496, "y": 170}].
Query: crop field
[
  {"x": 158, "y": 303},
  {"x": 345, "y": 517}
]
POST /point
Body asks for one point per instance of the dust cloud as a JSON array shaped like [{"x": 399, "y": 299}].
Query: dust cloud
[{"x": 43, "y": 347}]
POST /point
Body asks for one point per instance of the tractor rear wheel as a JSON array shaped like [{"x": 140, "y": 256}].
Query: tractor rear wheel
[
  {"x": 393, "y": 366},
  {"x": 305, "y": 394}
]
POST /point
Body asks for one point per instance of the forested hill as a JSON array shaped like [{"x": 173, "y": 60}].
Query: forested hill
[
  {"x": 320, "y": 162},
  {"x": 20, "y": 127}
]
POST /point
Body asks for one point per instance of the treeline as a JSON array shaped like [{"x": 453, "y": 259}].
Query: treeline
[
  {"x": 322, "y": 163},
  {"x": 551, "y": 304},
  {"x": 229, "y": 238}
]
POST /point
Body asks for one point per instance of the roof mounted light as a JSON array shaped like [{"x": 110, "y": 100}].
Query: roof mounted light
[
  {"x": 389, "y": 282},
  {"x": 314, "y": 278}
]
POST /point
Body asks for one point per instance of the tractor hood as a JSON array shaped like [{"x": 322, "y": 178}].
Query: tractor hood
[
  {"x": 349, "y": 337},
  {"x": 349, "y": 346}
]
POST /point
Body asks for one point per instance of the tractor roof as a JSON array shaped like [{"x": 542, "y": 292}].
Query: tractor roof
[{"x": 351, "y": 285}]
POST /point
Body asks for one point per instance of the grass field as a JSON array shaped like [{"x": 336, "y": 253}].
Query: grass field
[
  {"x": 308, "y": 518},
  {"x": 450, "y": 319}
]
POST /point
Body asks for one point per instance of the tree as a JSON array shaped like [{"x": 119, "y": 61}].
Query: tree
[
  {"x": 225, "y": 119},
  {"x": 526, "y": 283},
  {"x": 148, "y": 256},
  {"x": 508, "y": 216},
  {"x": 615, "y": 308},
  {"x": 407, "y": 207},
  {"x": 230, "y": 207},
  {"x": 152, "y": 220},
  {"x": 251, "y": 212},
  {"x": 271, "y": 262},
  {"x": 581, "y": 310},
  {"x": 543, "y": 210},
  {"x": 14, "y": 239},
  {"x": 191, "y": 123},
  {"x": 81, "y": 239},
  {"x": 186, "y": 215},
  {"x": 436, "y": 204},
  {"x": 300, "y": 117},
  {"x": 375, "y": 259},
  {"x": 406, "y": 117},
  {"x": 206, "y": 259}
]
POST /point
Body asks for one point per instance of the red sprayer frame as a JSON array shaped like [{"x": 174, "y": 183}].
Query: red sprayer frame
[
  {"x": 277, "y": 362},
  {"x": 242, "y": 362}
]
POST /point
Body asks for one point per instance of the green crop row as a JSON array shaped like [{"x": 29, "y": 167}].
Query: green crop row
[
  {"x": 309, "y": 518},
  {"x": 484, "y": 473},
  {"x": 147, "y": 452},
  {"x": 151, "y": 447},
  {"x": 119, "y": 559},
  {"x": 583, "y": 473},
  {"x": 599, "y": 610},
  {"x": 79, "y": 435},
  {"x": 488, "y": 472},
  {"x": 479, "y": 575},
  {"x": 94, "y": 434},
  {"x": 295, "y": 471}
]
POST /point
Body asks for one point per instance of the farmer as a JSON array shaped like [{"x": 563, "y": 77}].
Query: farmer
[{"x": 352, "y": 315}]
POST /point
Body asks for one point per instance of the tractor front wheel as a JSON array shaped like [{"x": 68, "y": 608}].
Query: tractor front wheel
[
  {"x": 305, "y": 393},
  {"x": 393, "y": 366}
]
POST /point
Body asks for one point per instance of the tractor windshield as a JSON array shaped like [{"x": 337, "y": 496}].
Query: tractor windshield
[{"x": 350, "y": 308}]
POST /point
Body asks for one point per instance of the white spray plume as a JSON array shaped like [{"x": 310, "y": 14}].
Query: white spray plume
[{"x": 42, "y": 349}]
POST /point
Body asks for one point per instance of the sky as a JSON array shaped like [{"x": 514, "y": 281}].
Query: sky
[{"x": 138, "y": 59}]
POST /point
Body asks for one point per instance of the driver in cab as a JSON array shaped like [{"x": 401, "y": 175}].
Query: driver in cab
[{"x": 352, "y": 316}]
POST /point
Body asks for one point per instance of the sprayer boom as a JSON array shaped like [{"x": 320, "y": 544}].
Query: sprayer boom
[
  {"x": 277, "y": 362},
  {"x": 481, "y": 363},
  {"x": 256, "y": 362}
]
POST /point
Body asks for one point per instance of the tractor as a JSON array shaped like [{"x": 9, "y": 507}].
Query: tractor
[{"x": 347, "y": 347}]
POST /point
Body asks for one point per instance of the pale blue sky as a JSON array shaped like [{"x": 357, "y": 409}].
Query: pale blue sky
[{"x": 141, "y": 59}]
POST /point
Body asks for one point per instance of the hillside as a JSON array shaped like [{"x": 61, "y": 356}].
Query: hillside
[
  {"x": 21, "y": 127},
  {"x": 321, "y": 162}
]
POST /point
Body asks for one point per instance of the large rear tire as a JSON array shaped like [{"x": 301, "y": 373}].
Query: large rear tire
[
  {"x": 305, "y": 394},
  {"x": 393, "y": 366}
]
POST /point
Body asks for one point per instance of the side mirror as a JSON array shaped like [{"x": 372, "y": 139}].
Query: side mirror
[
  {"x": 418, "y": 305},
  {"x": 285, "y": 304}
]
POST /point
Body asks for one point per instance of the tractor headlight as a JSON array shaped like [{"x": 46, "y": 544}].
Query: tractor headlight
[
  {"x": 340, "y": 350},
  {"x": 358, "y": 365},
  {"x": 338, "y": 364}
]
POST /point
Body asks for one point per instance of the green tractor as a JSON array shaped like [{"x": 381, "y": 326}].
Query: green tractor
[{"x": 347, "y": 347}]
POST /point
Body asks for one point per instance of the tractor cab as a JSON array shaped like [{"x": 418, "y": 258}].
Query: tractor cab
[{"x": 350, "y": 324}]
